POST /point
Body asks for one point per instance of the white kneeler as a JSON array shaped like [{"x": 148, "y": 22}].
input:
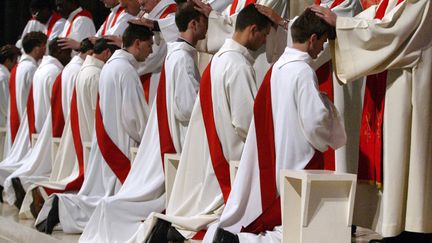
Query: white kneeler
[
  {"x": 171, "y": 163},
  {"x": 317, "y": 206},
  {"x": 2, "y": 140},
  {"x": 233, "y": 167}
]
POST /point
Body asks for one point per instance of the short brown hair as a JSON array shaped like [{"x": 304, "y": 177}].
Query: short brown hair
[
  {"x": 8, "y": 52},
  {"x": 306, "y": 25},
  {"x": 32, "y": 40}
]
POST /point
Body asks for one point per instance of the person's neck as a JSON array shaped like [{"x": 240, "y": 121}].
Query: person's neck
[
  {"x": 34, "y": 55},
  {"x": 99, "y": 56},
  {"x": 189, "y": 37},
  {"x": 240, "y": 37},
  {"x": 83, "y": 55},
  {"x": 300, "y": 46}
]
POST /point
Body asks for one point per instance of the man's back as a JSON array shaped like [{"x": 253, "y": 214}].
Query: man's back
[{"x": 233, "y": 92}]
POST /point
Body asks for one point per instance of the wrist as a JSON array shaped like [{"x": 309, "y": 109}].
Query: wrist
[{"x": 283, "y": 23}]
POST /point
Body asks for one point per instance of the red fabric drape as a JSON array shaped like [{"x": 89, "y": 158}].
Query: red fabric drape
[
  {"x": 172, "y": 8},
  {"x": 116, "y": 160},
  {"x": 31, "y": 113},
  {"x": 105, "y": 24},
  {"x": 145, "y": 81},
  {"x": 58, "y": 121},
  {"x": 220, "y": 164},
  {"x": 165, "y": 139},
  {"x": 14, "y": 115}
]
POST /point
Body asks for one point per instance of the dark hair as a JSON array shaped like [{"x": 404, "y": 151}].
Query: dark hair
[
  {"x": 185, "y": 13},
  {"x": 41, "y": 4},
  {"x": 102, "y": 44},
  {"x": 249, "y": 15},
  {"x": 53, "y": 47},
  {"x": 32, "y": 40},
  {"x": 134, "y": 32},
  {"x": 8, "y": 52},
  {"x": 306, "y": 25},
  {"x": 85, "y": 46}
]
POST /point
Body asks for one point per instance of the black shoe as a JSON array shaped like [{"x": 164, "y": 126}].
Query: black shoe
[
  {"x": 51, "y": 221},
  {"x": 38, "y": 202},
  {"x": 174, "y": 236},
  {"x": 223, "y": 236},
  {"x": 1, "y": 194},
  {"x": 19, "y": 192},
  {"x": 159, "y": 232},
  {"x": 353, "y": 230}
]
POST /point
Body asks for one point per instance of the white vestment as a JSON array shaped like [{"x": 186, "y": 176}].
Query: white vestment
[
  {"x": 400, "y": 43},
  {"x": 124, "y": 114},
  {"x": 115, "y": 23},
  {"x": 196, "y": 199},
  {"x": 24, "y": 77},
  {"x": 82, "y": 27},
  {"x": 40, "y": 166},
  {"x": 153, "y": 62},
  {"x": 118, "y": 217},
  {"x": 36, "y": 165},
  {"x": 4, "y": 96},
  {"x": 302, "y": 124},
  {"x": 4, "y": 104}
]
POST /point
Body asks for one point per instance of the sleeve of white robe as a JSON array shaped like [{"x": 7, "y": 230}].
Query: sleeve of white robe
[
  {"x": 185, "y": 94},
  {"x": 134, "y": 111},
  {"x": 57, "y": 29},
  {"x": 94, "y": 87},
  {"x": 363, "y": 46},
  {"x": 322, "y": 125},
  {"x": 241, "y": 90},
  {"x": 168, "y": 28},
  {"x": 83, "y": 27},
  {"x": 4, "y": 96}
]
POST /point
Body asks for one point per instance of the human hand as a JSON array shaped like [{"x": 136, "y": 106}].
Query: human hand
[
  {"x": 68, "y": 43},
  {"x": 324, "y": 13},
  {"x": 272, "y": 15},
  {"x": 203, "y": 8},
  {"x": 143, "y": 21}
]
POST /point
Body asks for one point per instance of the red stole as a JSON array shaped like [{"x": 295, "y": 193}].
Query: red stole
[
  {"x": 165, "y": 139},
  {"x": 325, "y": 80},
  {"x": 235, "y": 3},
  {"x": 370, "y": 152},
  {"x": 172, "y": 8},
  {"x": 56, "y": 108},
  {"x": 270, "y": 199},
  {"x": 77, "y": 182},
  {"x": 145, "y": 81},
  {"x": 220, "y": 164},
  {"x": 31, "y": 113},
  {"x": 14, "y": 115},
  {"x": 54, "y": 18},
  {"x": 120, "y": 10},
  {"x": 83, "y": 13},
  {"x": 116, "y": 160}
]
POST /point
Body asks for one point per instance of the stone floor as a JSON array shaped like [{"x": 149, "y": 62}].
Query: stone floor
[{"x": 13, "y": 229}]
